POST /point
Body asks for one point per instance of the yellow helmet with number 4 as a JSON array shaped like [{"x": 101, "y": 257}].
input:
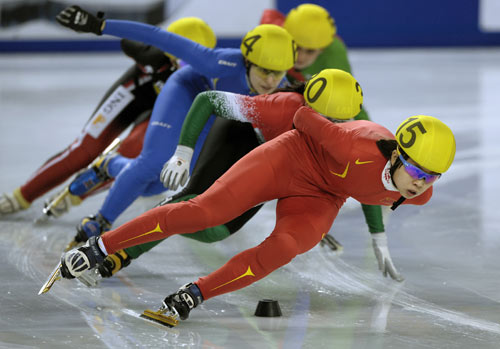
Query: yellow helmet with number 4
[
  {"x": 194, "y": 29},
  {"x": 428, "y": 142},
  {"x": 311, "y": 26},
  {"x": 335, "y": 94},
  {"x": 270, "y": 47}
]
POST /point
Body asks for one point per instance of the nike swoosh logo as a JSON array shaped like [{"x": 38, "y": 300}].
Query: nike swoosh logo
[
  {"x": 155, "y": 230},
  {"x": 357, "y": 162},
  {"x": 343, "y": 174},
  {"x": 247, "y": 273}
]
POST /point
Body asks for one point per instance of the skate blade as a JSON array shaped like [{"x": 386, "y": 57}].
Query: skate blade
[
  {"x": 332, "y": 244},
  {"x": 90, "y": 278},
  {"x": 42, "y": 219},
  {"x": 47, "y": 210},
  {"x": 158, "y": 317},
  {"x": 54, "y": 276}
]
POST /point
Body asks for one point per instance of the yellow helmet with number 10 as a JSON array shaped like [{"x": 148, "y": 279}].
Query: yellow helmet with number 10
[
  {"x": 311, "y": 26},
  {"x": 335, "y": 94},
  {"x": 270, "y": 47},
  {"x": 428, "y": 142}
]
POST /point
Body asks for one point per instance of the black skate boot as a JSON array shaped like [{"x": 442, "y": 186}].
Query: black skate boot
[
  {"x": 89, "y": 226},
  {"x": 113, "y": 263},
  {"x": 181, "y": 302},
  {"x": 77, "y": 261}
]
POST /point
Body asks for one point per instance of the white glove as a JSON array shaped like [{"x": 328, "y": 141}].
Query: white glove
[
  {"x": 385, "y": 264},
  {"x": 176, "y": 170}
]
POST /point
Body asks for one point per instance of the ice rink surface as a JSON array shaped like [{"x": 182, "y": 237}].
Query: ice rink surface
[{"x": 448, "y": 250}]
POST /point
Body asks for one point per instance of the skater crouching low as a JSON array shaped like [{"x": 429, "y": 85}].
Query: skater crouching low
[{"x": 311, "y": 170}]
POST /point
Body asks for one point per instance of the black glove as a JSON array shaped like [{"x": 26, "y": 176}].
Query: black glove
[{"x": 81, "y": 21}]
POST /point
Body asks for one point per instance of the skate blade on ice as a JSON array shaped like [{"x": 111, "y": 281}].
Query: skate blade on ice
[
  {"x": 90, "y": 278},
  {"x": 47, "y": 210},
  {"x": 53, "y": 277},
  {"x": 42, "y": 219},
  {"x": 161, "y": 316},
  {"x": 332, "y": 243}
]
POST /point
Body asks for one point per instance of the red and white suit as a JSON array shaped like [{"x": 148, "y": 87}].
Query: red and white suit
[{"x": 311, "y": 171}]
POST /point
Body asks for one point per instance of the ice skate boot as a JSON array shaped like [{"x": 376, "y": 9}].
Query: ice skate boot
[
  {"x": 329, "y": 241},
  {"x": 113, "y": 263},
  {"x": 11, "y": 203},
  {"x": 75, "y": 262},
  {"x": 89, "y": 226},
  {"x": 186, "y": 298},
  {"x": 60, "y": 203},
  {"x": 176, "y": 306},
  {"x": 88, "y": 180},
  {"x": 91, "y": 178}
]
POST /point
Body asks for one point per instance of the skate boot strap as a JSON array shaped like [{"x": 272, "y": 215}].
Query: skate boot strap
[
  {"x": 113, "y": 263},
  {"x": 186, "y": 298},
  {"x": 93, "y": 225}
]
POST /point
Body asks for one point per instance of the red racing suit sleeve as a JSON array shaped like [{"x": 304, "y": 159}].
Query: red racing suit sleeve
[
  {"x": 319, "y": 129},
  {"x": 339, "y": 145},
  {"x": 270, "y": 115}
]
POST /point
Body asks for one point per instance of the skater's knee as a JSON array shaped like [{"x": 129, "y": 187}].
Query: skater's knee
[
  {"x": 287, "y": 246},
  {"x": 148, "y": 167}
]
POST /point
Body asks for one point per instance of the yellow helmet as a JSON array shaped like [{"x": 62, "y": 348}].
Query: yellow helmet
[
  {"x": 270, "y": 47},
  {"x": 428, "y": 142},
  {"x": 311, "y": 26},
  {"x": 334, "y": 93},
  {"x": 194, "y": 29}
]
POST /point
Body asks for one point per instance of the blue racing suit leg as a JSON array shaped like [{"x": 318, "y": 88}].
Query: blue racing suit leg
[{"x": 160, "y": 141}]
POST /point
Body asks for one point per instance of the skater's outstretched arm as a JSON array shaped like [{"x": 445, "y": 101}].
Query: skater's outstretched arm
[
  {"x": 270, "y": 116},
  {"x": 210, "y": 62}
]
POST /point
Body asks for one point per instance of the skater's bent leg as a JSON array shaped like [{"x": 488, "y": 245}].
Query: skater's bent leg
[
  {"x": 61, "y": 166},
  {"x": 131, "y": 146},
  {"x": 129, "y": 185},
  {"x": 300, "y": 224},
  {"x": 94, "y": 138},
  {"x": 236, "y": 224},
  {"x": 222, "y": 202},
  {"x": 160, "y": 142},
  {"x": 129, "y": 149}
]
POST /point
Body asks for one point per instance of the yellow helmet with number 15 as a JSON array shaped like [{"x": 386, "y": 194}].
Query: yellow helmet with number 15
[{"x": 428, "y": 142}]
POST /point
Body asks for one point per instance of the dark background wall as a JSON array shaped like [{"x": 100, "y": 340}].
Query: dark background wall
[
  {"x": 406, "y": 22},
  {"x": 361, "y": 23}
]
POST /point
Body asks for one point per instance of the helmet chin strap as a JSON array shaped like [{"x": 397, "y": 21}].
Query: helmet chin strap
[{"x": 395, "y": 204}]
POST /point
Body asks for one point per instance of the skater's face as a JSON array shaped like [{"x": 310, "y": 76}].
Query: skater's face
[
  {"x": 263, "y": 80},
  {"x": 410, "y": 179},
  {"x": 306, "y": 57}
]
